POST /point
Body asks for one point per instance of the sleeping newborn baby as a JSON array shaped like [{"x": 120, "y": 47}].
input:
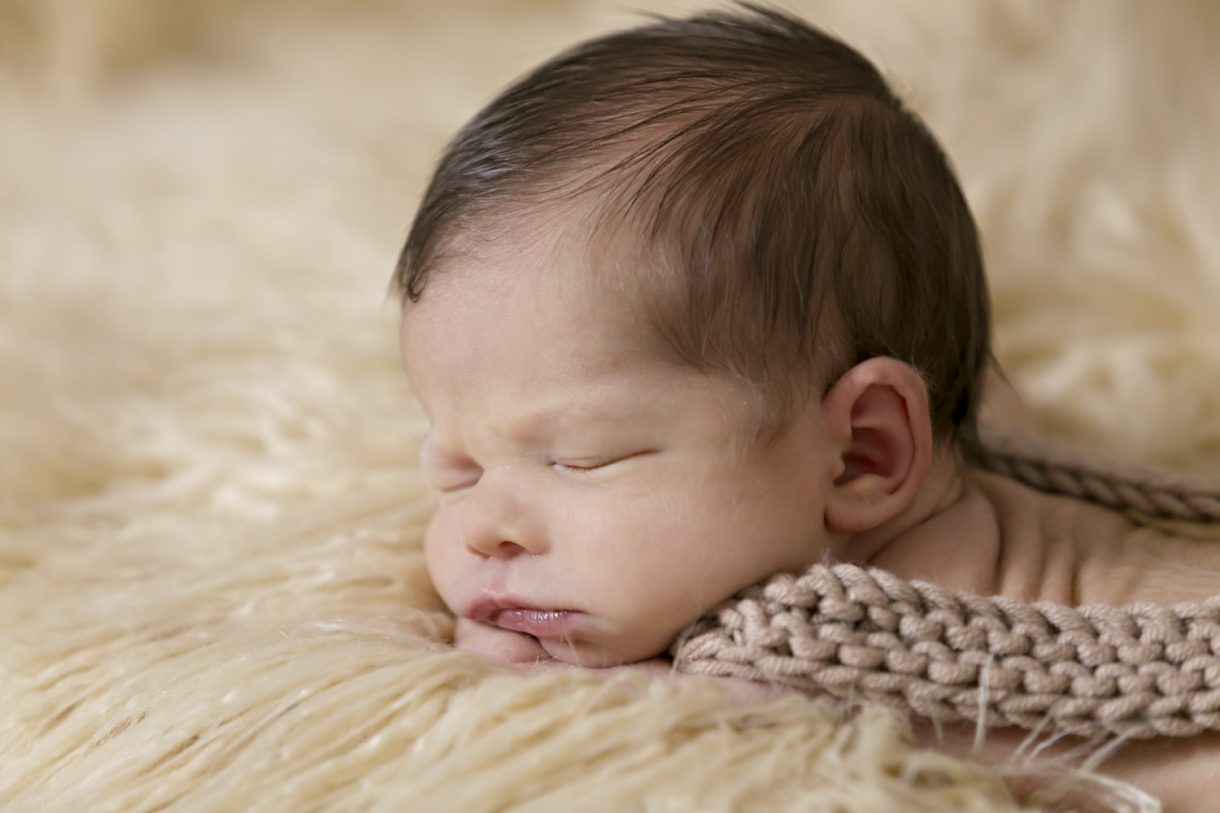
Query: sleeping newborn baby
[{"x": 701, "y": 302}]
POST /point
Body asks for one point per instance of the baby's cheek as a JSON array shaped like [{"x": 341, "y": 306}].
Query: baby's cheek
[
  {"x": 431, "y": 540},
  {"x": 440, "y": 553}
]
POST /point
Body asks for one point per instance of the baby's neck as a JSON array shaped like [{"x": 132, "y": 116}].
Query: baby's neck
[{"x": 993, "y": 536}]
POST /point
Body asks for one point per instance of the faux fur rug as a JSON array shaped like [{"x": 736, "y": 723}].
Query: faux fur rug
[{"x": 211, "y": 589}]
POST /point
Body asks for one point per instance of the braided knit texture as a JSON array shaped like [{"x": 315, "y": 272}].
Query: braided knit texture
[
  {"x": 1150, "y": 493},
  {"x": 1138, "y": 671}
]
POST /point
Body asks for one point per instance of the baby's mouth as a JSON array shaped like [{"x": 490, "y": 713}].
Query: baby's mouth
[
  {"x": 535, "y": 621},
  {"x": 538, "y": 623}
]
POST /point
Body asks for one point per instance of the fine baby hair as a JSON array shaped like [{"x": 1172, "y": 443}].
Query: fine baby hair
[{"x": 787, "y": 215}]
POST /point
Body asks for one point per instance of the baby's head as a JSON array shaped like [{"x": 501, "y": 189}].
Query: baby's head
[{"x": 687, "y": 306}]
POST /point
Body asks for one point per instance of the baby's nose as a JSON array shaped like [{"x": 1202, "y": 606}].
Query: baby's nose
[
  {"x": 490, "y": 547},
  {"x": 496, "y": 526}
]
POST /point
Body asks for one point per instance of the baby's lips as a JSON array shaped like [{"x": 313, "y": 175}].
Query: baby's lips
[
  {"x": 539, "y": 623},
  {"x": 516, "y": 616}
]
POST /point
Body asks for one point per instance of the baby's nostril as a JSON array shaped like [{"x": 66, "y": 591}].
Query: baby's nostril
[{"x": 507, "y": 549}]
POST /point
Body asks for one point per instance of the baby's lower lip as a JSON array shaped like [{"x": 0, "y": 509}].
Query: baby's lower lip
[{"x": 539, "y": 623}]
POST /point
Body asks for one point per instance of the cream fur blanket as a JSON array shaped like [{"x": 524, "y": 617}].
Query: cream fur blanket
[{"x": 211, "y": 589}]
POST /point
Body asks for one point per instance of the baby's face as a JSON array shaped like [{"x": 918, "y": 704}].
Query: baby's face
[{"x": 593, "y": 493}]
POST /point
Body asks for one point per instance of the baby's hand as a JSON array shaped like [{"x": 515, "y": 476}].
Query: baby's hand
[{"x": 503, "y": 645}]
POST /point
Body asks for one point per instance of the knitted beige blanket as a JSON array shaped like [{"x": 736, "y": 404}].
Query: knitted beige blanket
[{"x": 1136, "y": 671}]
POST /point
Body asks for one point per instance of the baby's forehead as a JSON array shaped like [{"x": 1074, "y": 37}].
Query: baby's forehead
[
  {"x": 551, "y": 279},
  {"x": 563, "y": 253}
]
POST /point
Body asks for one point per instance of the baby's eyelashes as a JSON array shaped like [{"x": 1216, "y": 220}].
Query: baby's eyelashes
[
  {"x": 451, "y": 484},
  {"x": 584, "y": 465},
  {"x": 456, "y": 488},
  {"x": 581, "y": 465},
  {"x": 453, "y": 474}
]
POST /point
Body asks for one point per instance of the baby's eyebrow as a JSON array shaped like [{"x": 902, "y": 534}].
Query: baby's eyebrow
[{"x": 544, "y": 421}]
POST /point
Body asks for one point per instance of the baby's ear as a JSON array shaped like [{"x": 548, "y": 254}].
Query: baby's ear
[{"x": 881, "y": 435}]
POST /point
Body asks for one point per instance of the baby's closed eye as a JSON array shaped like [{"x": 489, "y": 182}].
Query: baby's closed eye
[
  {"x": 594, "y": 463},
  {"x": 447, "y": 473},
  {"x": 451, "y": 471}
]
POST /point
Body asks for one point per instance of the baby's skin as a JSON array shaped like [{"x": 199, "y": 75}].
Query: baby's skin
[{"x": 597, "y": 496}]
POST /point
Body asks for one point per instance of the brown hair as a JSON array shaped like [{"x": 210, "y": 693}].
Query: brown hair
[{"x": 775, "y": 173}]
